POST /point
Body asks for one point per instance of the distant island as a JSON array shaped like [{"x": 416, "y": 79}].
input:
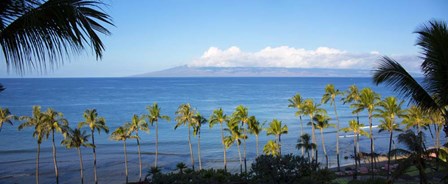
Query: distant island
[{"x": 188, "y": 71}]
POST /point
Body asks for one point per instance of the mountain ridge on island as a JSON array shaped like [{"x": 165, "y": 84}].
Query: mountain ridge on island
[{"x": 188, "y": 71}]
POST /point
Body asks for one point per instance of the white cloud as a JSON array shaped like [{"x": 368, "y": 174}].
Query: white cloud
[{"x": 284, "y": 56}]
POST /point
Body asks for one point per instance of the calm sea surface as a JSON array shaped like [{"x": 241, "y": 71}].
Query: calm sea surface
[{"x": 117, "y": 99}]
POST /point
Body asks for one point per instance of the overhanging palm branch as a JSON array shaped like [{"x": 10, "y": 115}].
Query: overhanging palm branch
[{"x": 35, "y": 34}]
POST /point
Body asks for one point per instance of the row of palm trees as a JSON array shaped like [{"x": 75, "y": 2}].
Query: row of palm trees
[
  {"x": 388, "y": 110},
  {"x": 235, "y": 128}
]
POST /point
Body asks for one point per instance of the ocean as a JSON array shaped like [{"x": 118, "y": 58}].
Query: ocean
[{"x": 117, "y": 99}]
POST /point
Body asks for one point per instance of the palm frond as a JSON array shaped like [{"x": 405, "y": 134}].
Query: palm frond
[{"x": 395, "y": 76}]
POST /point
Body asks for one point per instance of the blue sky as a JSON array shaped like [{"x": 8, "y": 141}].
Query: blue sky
[{"x": 155, "y": 35}]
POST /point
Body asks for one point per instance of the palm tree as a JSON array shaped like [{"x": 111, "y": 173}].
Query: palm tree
[
  {"x": 310, "y": 108},
  {"x": 241, "y": 114},
  {"x": 355, "y": 127},
  {"x": 37, "y": 34},
  {"x": 305, "y": 142},
  {"x": 255, "y": 128},
  {"x": 94, "y": 123},
  {"x": 37, "y": 120},
  {"x": 321, "y": 122},
  {"x": 271, "y": 148},
  {"x": 368, "y": 100},
  {"x": 330, "y": 95},
  {"x": 153, "y": 117},
  {"x": 218, "y": 116},
  {"x": 75, "y": 139},
  {"x": 56, "y": 122},
  {"x": 181, "y": 166},
  {"x": 390, "y": 109},
  {"x": 415, "y": 152},
  {"x": 197, "y": 121},
  {"x": 431, "y": 95},
  {"x": 6, "y": 117},
  {"x": 276, "y": 128},
  {"x": 136, "y": 124},
  {"x": 352, "y": 96},
  {"x": 415, "y": 117},
  {"x": 184, "y": 117},
  {"x": 122, "y": 134},
  {"x": 297, "y": 102},
  {"x": 235, "y": 137}
]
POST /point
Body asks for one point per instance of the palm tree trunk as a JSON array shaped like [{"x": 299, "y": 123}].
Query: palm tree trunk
[
  {"x": 256, "y": 143},
  {"x": 301, "y": 133},
  {"x": 337, "y": 136},
  {"x": 323, "y": 147},
  {"x": 388, "y": 155},
  {"x": 224, "y": 148},
  {"x": 125, "y": 161},
  {"x": 372, "y": 148},
  {"x": 94, "y": 157},
  {"x": 191, "y": 148},
  {"x": 157, "y": 144},
  {"x": 80, "y": 165},
  {"x": 199, "y": 150},
  {"x": 239, "y": 154},
  {"x": 313, "y": 137},
  {"x": 139, "y": 156},
  {"x": 245, "y": 163},
  {"x": 437, "y": 146},
  {"x": 56, "y": 172},
  {"x": 357, "y": 139},
  {"x": 279, "y": 145},
  {"x": 37, "y": 163},
  {"x": 356, "y": 156}
]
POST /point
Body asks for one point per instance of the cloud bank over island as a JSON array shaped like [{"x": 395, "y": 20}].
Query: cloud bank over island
[{"x": 290, "y": 57}]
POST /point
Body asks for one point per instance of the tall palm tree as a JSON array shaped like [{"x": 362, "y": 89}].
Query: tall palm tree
[
  {"x": 38, "y": 34},
  {"x": 330, "y": 95},
  {"x": 310, "y": 108},
  {"x": 198, "y": 120},
  {"x": 431, "y": 94},
  {"x": 94, "y": 122},
  {"x": 388, "y": 124},
  {"x": 276, "y": 128},
  {"x": 368, "y": 101},
  {"x": 154, "y": 116},
  {"x": 321, "y": 123},
  {"x": 305, "y": 142},
  {"x": 414, "y": 149},
  {"x": 37, "y": 120},
  {"x": 75, "y": 139},
  {"x": 255, "y": 128},
  {"x": 122, "y": 134},
  {"x": 56, "y": 123},
  {"x": 218, "y": 116},
  {"x": 241, "y": 114},
  {"x": 389, "y": 110},
  {"x": 235, "y": 137},
  {"x": 297, "y": 102},
  {"x": 355, "y": 127},
  {"x": 6, "y": 117},
  {"x": 271, "y": 148},
  {"x": 184, "y": 115},
  {"x": 415, "y": 117},
  {"x": 138, "y": 123},
  {"x": 352, "y": 96}
]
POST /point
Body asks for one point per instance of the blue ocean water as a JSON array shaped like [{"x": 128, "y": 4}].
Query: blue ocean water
[{"x": 117, "y": 99}]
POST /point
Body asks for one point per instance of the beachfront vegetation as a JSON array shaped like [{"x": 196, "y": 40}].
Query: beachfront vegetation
[
  {"x": 153, "y": 117},
  {"x": 123, "y": 133},
  {"x": 94, "y": 123},
  {"x": 330, "y": 95},
  {"x": 138, "y": 123},
  {"x": 6, "y": 117},
  {"x": 75, "y": 139}
]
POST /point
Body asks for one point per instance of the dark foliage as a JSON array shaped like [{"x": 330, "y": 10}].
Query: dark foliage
[{"x": 211, "y": 176}]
